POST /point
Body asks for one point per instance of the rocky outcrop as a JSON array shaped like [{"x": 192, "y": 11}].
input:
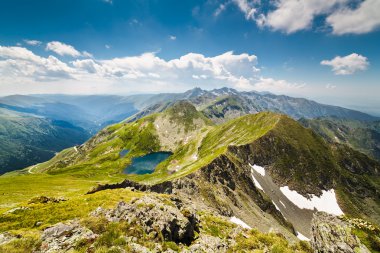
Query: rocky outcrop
[
  {"x": 207, "y": 243},
  {"x": 45, "y": 200},
  {"x": 157, "y": 216},
  {"x": 330, "y": 234},
  {"x": 63, "y": 237},
  {"x": 6, "y": 238}
]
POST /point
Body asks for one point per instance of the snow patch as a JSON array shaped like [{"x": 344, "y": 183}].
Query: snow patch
[
  {"x": 276, "y": 206},
  {"x": 326, "y": 202},
  {"x": 258, "y": 169},
  {"x": 302, "y": 237},
  {"x": 239, "y": 222},
  {"x": 282, "y": 204},
  {"x": 257, "y": 184}
]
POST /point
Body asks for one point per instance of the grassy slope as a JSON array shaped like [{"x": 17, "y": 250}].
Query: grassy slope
[
  {"x": 26, "y": 139},
  {"x": 361, "y": 135},
  {"x": 102, "y": 162},
  {"x": 306, "y": 156}
]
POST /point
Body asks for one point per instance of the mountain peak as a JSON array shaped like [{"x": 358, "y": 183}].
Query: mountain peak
[
  {"x": 195, "y": 92},
  {"x": 224, "y": 91}
]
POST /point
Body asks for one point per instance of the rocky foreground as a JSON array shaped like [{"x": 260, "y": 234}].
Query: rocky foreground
[{"x": 164, "y": 223}]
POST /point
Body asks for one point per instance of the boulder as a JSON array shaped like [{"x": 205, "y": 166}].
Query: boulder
[
  {"x": 207, "y": 243},
  {"x": 158, "y": 215},
  {"x": 6, "y": 238},
  {"x": 330, "y": 234},
  {"x": 63, "y": 237}
]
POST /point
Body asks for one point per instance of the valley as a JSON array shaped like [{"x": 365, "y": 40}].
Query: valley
[{"x": 263, "y": 170}]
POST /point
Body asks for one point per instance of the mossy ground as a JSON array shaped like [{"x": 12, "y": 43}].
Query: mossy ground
[{"x": 113, "y": 235}]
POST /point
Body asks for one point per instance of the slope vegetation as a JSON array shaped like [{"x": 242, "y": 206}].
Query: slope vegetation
[
  {"x": 213, "y": 166},
  {"x": 363, "y": 136},
  {"x": 26, "y": 139}
]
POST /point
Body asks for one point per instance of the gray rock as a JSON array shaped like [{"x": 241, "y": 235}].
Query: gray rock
[
  {"x": 16, "y": 209},
  {"x": 137, "y": 248},
  {"x": 206, "y": 243},
  {"x": 158, "y": 215},
  {"x": 63, "y": 237},
  {"x": 332, "y": 235},
  {"x": 6, "y": 238}
]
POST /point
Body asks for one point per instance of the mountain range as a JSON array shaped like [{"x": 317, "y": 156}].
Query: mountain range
[
  {"x": 191, "y": 179},
  {"x": 89, "y": 114}
]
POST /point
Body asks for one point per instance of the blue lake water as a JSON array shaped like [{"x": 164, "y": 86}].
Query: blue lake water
[
  {"x": 146, "y": 164},
  {"x": 124, "y": 152}
]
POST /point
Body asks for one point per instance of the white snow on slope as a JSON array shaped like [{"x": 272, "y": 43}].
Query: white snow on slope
[
  {"x": 239, "y": 222},
  {"x": 326, "y": 202},
  {"x": 257, "y": 184},
  {"x": 258, "y": 169},
  {"x": 302, "y": 237},
  {"x": 276, "y": 206}
]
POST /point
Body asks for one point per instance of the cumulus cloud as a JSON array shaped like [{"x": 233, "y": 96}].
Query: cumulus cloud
[
  {"x": 145, "y": 72},
  {"x": 295, "y": 15},
  {"x": 291, "y": 16},
  {"x": 63, "y": 49},
  {"x": 172, "y": 37},
  {"x": 365, "y": 18},
  {"x": 21, "y": 63},
  {"x": 347, "y": 65},
  {"x": 33, "y": 42}
]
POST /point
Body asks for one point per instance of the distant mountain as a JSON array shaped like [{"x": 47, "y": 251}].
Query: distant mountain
[
  {"x": 363, "y": 136},
  {"x": 226, "y": 103},
  {"x": 93, "y": 112},
  {"x": 89, "y": 112},
  {"x": 26, "y": 139}
]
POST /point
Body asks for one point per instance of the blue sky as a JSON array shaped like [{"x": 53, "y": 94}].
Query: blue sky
[{"x": 326, "y": 50}]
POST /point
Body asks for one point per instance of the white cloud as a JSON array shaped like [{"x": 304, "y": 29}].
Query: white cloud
[
  {"x": 142, "y": 73},
  {"x": 87, "y": 54},
  {"x": 220, "y": 9},
  {"x": 347, "y": 65},
  {"x": 247, "y": 7},
  {"x": 294, "y": 15},
  {"x": 363, "y": 19},
  {"x": 18, "y": 63},
  {"x": 108, "y": 1},
  {"x": 273, "y": 85},
  {"x": 33, "y": 42},
  {"x": 62, "y": 49},
  {"x": 107, "y": 46},
  {"x": 291, "y": 16},
  {"x": 172, "y": 37}
]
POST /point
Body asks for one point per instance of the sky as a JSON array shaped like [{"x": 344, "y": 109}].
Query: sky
[{"x": 326, "y": 50}]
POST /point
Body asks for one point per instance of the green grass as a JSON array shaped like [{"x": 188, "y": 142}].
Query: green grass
[
  {"x": 249, "y": 240},
  {"x": 237, "y": 132},
  {"x": 76, "y": 206}
]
